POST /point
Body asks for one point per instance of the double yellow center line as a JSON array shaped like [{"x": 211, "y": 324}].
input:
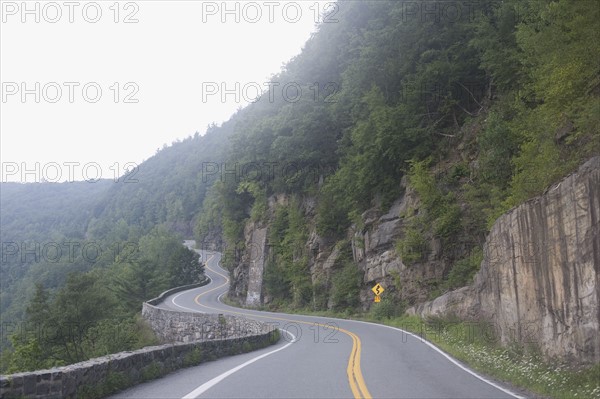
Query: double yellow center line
[{"x": 355, "y": 377}]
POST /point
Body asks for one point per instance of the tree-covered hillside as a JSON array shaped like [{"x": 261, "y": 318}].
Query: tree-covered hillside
[
  {"x": 473, "y": 107},
  {"x": 68, "y": 247},
  {"x": 479, "y": 106}
]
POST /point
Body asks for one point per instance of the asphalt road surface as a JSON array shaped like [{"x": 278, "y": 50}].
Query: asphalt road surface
[{"x": 316, "y": 358}]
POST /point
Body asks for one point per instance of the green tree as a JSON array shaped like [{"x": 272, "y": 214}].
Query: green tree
[
  {"x": 139, "y": 281},
  {"x": 184, "y": 267},
  {"x": 346, "y": 284},
  {"x": 80, "y": 305}
]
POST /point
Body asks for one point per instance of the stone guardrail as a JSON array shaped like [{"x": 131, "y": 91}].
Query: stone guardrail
[
  {"x": 162, "y": 296},
  {"x": 174, "y": 326},
  {"x": 99, "y": 377},
  {"x": 194, "y": 338},
  {"x": 180, "y": 326}
]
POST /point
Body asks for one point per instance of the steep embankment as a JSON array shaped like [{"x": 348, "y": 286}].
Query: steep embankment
[
  {"x": 539, "y": 280},
  {"x": 436, "y": 127},
  {"x": 370, "y": 248}
]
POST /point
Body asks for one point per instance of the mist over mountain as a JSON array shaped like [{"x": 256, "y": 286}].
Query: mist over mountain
[{"x": 394, "y": 132}]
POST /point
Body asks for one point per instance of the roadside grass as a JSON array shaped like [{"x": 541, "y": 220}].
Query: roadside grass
[
  {"x": 521, "y": 365},
  {"x": 476, "y": 345}
]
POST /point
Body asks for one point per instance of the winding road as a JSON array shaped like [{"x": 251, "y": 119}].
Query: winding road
[{"x": 316, "y": 358}]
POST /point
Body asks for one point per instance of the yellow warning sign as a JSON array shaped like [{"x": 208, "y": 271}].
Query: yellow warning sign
[
  {"x": 377, "y": 298},
  {"x": 378, "y": 289}
]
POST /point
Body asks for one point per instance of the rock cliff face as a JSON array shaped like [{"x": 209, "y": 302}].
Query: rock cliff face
[
  {"x": 539, "y": 281},
  {"x": 248, "y": 275},
  {"x": 373, "y": 250},
  {"x": 247, "y": 282},
  {"x": 257, "y": 243}
]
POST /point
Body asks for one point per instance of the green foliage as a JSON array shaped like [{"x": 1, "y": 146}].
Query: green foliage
[
  {"x": 414, "y": 246},
  {"x": 396, "y": 280},
  {"x": 162, "y": 263},
  {"x": 152, "y": 371},
  {"x": 68, "y": 325},
  {"x": 497, "y": 146},
  {"x": 484, "y": 207},
  {"x": 112, "y": 335},
  {"x": 76, "y": 310},
  {"x": 495, "y": 40},
  {"x": 275, "y": 336},
  {"x": 259, "y": 206},
  {"x": 464, "y": 270},
  {"x": 395, "y": 95},
  {"x": 246, "y": 347},
  {"x": 287, "y": 276},
  {"x": 334, "y": 206},
  {"x": 558, "y": 42},
  {"x": 233, "y": 216},
  {"x": 276, "y": 284},
  {"x": 144, "y": 336},
  {"x": 320, "y": 294},
  {"x": 442, "y": 210},
  {"x": 209, "y": 222},
  {"x": 38, "y": 211},
  {"x": 448, "y": 221},
  {"x": 29, "y": 355},
  {"x": 374, "y": 161},
  {"x": 457, "y": 172},
  {"x": 537, "y": 166},
  {"x": 346, "y": 284},
  {"x": 112, "y": 273},
  {"x": 387, "y": 308},
  {"x": 184, "y": 267},
  {"x": 138, "y": 281},
  {"x": 410, "y": 93},
  {"x": 113, "y": 382},
  {"x": 424, "y": 184}
]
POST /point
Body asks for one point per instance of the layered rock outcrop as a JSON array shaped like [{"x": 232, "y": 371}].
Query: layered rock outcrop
[
  {"x": 247, "y": 282},
  {"x": 539, "y": 280},
  {"x": 373, "y": 249}
]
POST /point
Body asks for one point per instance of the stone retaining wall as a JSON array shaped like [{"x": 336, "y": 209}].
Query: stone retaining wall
[
  {"x": 190, "y": 339},
  {"x": 161, "y": 297},
  {"x": 173, "y": 326},
  {"x": 102, "y": 376}
]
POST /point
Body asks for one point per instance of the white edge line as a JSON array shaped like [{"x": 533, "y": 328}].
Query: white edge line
[
  {"x": 184, "y": 307},
  {"x": 200, "y": 252},
  {"x": 209, "y": 384},
  {"x": 451, "y": 359},
  {"x": 431, "y": 345}
]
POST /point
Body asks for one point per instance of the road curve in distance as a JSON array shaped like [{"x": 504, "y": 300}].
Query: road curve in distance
[{"x": 317, "y": 357}]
